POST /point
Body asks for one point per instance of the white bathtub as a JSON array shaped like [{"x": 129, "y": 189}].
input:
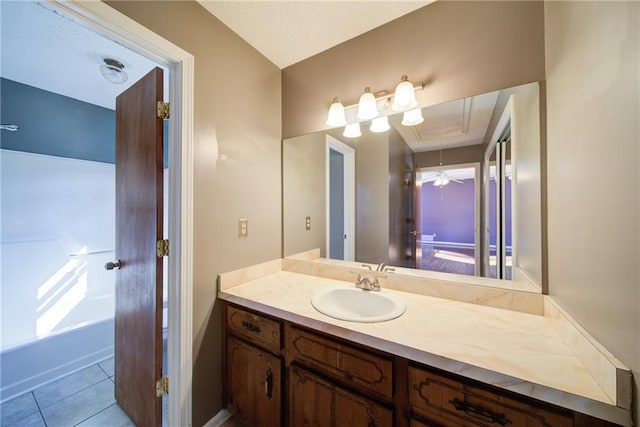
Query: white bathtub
[
  {"x": 56, "y": 300},
  {"x": 33, "y": 364},
  {"x": 57, "y": 313}
]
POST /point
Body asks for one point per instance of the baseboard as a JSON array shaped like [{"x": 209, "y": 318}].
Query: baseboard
[{"x": 219, "y": 419}]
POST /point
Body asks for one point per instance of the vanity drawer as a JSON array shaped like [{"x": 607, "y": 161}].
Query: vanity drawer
[
  {"x": 261, "y": 331},
  {"x": 434, "y": 398},
  {"x": 348, "y": 364}
]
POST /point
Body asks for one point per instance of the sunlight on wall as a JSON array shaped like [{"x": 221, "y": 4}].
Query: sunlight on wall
[
  {"x": 68, "y": 291},
  {"x": 56, "y": 278}
]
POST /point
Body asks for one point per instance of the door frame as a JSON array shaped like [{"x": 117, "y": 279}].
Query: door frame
[
  {"x": 476, "y": 205},
  {"x": 493, "y": 145},
  {"x": 349, "y": 196},
  {"x": 118, "y": 27}
]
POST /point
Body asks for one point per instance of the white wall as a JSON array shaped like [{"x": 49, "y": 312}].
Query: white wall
[
  {"x": 58, "y": 228},
  {"x": 593, "y": 158}
]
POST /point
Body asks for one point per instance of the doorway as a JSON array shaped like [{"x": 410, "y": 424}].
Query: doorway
[
  {"x": 117, "y": 27},
  {"x": 447, "y": 219},
  {"x": 340, "y": 200}
]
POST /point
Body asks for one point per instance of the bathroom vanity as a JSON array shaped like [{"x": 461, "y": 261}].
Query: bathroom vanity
[{"x": 443, "y": 362}]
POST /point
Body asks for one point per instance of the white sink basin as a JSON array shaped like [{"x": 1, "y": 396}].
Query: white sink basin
[{"x": 356, "y": 305}]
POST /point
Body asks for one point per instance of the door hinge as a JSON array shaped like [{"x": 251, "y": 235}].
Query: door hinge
[
  {"x": 162, "y": 248},
  {"x": 162, "y": 386},
  {"x": 163, "y": 110}
]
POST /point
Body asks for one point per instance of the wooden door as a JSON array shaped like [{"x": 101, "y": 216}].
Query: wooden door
[
  {"x": 138, "y": 313},
  {"x": 253, "y": 381}
]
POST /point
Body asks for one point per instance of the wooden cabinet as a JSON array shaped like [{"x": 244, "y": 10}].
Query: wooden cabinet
[
  {"x": 260, "y": 330},
  {"x": 253, "y": 367},
  {"x": 316, "y": 402},
  {"x": 358, "y": 369},
  {"x": 277, "y": 373},
  {"x": 436, "y": 400},
  {"x": 254, "y": 377}
]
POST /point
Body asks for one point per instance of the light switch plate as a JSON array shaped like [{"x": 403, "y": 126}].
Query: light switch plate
[{"x": 243, "y": 228}]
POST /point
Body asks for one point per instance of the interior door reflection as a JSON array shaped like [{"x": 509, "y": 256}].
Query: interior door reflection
[{"x": 447, "y": 219}]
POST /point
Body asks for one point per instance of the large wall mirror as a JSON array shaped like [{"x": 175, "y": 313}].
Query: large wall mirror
[{"x": 456, "y": 197}]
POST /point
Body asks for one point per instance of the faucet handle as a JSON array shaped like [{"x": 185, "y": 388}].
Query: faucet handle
[
  {"x": 367, "y": 266},
  {"x": 389, "y": 269}
]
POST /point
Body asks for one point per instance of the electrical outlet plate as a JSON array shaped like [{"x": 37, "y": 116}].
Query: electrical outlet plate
[
  {"x": 243, "y": 228},
  {"x": 307, "y": 223}
]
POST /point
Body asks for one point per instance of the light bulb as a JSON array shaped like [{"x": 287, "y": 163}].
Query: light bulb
[
  {"x": 404, "y": 97},
  {"x": 367, "y": 107},
  {"x": 380, "y": 124},
  {"x": 412, "y": 117},
  {"x": 352, "y": 130},
  {"x": 336, "y": 114}
]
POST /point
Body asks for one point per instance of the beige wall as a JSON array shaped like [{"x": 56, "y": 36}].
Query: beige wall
[
  {"x": 400, "y": 196},
  {"x": 237, "y": 134},
  {"x": 450, "y": 156},
  {"x": 460, "y": 48},
  {"x": 304, "y": 189},
  {"x": 525, "y": 155},
  {"x": 372, "y": 197},
  {"x": 593, "y": 96}
]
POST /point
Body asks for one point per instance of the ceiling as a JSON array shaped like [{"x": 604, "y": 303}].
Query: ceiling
[
  {"x": 453, "y": 124},
  {"x": 45, "y": 50},
  {"x": 288, "y": 31}
]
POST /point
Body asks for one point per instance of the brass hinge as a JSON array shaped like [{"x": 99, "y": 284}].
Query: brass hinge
[
  {"x": 162, "y": 386},
  {"x": 163, "y": 110},
  {"x": 162, "y": 248}
]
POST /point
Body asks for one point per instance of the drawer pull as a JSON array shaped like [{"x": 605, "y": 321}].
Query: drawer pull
[
  {"x": 480, "y": 413},
  {"x": 251, "y": 327},
  {"x": 268, "y": 384}
]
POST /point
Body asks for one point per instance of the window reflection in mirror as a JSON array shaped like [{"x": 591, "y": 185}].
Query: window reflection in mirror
[{"x": 479, "y": 155}]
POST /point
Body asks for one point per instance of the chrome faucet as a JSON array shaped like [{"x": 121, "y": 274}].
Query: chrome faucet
[{"x": 366, "y": 283}]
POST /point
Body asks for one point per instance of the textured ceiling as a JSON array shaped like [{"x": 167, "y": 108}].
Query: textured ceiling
[
  {"x": 453, "y": 124},
  {"x": 287, "y": 32},
  {"x": 43, "y": 49}
]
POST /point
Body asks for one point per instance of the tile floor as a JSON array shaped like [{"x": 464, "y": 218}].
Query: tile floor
[{"x": 84, "y": 398}]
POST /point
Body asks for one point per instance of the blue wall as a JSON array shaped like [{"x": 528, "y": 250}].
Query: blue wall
[{"x": 57, "y": 125}]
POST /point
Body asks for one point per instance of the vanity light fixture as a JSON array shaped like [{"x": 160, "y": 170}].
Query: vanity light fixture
[
  {"x": 412, "y": 117},
  {"x": 336, "y": 115},
  {"x": 404, "y": 97},
  {"x": 113, "y": 71},
  {"x": 352, "y": 130},
  {"x": 380, "y": 124},
  {"x": 367, "y": 106}
]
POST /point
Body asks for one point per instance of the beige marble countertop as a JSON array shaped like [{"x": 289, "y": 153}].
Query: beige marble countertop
[{"x": 513, "y": 350}]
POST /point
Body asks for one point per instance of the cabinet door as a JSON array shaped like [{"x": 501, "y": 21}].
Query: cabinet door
[
  {"x": 254, "y": 378},
  {"x": 315, "y": 402}
]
